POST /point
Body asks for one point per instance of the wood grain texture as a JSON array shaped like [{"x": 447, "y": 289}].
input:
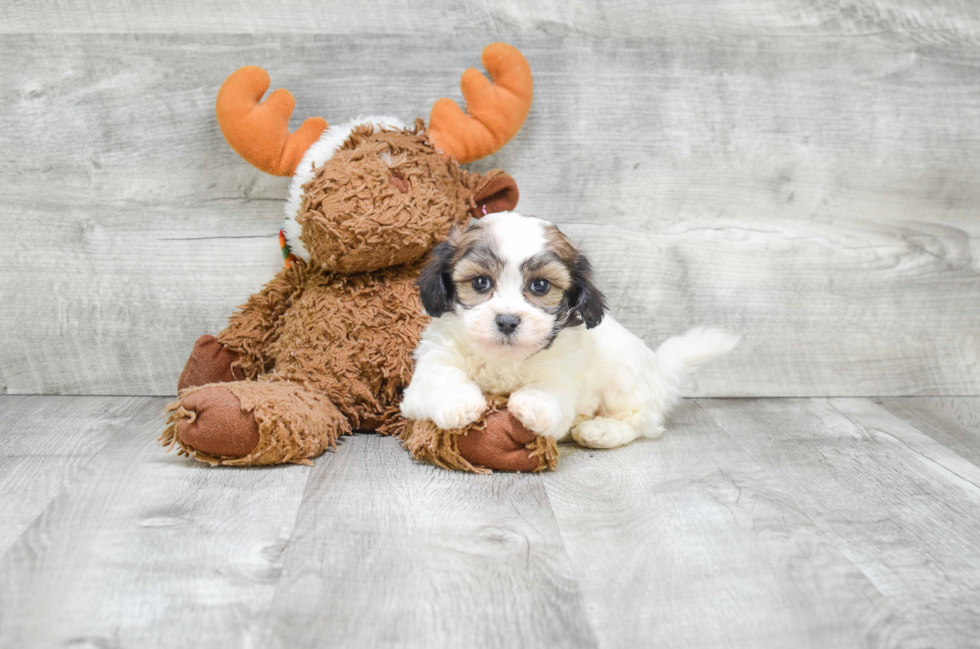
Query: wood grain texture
[
  {"x": 686, "y": 541},
  {"x": 44, "y": 442},
  {"x": 902, "y": 507},
  {"x": 147, "y": 549},
  {"x": 940, "y": 21},
  {"x": 954, "y": 422},
  {"x": 369, "y": 17},
  {"x": 811, "y": 190},
  {"x": 389, "y": 552},
  {"x": 946, "y": 21}
]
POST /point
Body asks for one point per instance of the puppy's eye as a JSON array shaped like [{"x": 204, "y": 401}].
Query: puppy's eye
[
  {"x": 540, "y": 286},
  {"x": 481, "y": 284}
]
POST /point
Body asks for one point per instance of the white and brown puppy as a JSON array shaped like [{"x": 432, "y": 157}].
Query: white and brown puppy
[{"x": 515, "y": 312}]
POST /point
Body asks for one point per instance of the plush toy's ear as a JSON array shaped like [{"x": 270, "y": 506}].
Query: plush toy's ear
[
  {"x": 436, "y": 282},
  {"x": 495, "y": 192}
]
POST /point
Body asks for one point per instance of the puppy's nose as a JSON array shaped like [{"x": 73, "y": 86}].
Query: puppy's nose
[{"x": 507, "y": 323}]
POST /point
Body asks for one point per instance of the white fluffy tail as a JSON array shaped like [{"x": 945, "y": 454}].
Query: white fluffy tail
[{"x": 681, "y": 355}]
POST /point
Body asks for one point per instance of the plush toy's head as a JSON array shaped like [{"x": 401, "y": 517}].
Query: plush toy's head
[{"x": 374, "y": 192}]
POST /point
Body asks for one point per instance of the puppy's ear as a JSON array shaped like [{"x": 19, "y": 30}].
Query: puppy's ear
[
  {"x": 495, "y": 191},
  {"x": 435, "y": 281},
  {"x": 587, "y": 300}
]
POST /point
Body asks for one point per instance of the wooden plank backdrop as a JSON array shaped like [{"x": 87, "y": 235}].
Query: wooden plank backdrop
[
  {"x": 801, "y": 173},
  {"x": 941, "y": 21}
]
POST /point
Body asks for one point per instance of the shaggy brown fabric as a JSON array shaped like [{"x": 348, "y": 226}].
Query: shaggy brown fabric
[
  {"x": 210, "y": 362},
  {"x": 546, "y": 450},
  {"x": 326, "y": 346},
  {"x": 351, "y": 337},
  {"x": 497, "y": 441},
  {"x": 256, "y": 324},
  {"x": 356, "y": 219}
]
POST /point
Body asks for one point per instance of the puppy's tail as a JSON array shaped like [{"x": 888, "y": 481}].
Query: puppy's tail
[{"x": 681, "y": 355}]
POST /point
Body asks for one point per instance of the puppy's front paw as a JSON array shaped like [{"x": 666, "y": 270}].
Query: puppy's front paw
[
  {"x": 459, "y": 408},
  {"x": 538, "y": 411}
]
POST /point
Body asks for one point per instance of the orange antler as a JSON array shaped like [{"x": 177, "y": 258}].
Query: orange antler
[
  {"x": 259, "y": 132},
  {"x": 496, "y": 109}
]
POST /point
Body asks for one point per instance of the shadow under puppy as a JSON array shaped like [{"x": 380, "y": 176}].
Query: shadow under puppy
[{"x": 515, "y": 312}]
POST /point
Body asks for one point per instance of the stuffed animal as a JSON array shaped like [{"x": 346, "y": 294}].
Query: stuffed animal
[{"x": 325, "y": 348}]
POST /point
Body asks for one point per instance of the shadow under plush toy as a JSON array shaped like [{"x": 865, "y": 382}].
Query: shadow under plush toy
[{"x": 325, "y": 347}]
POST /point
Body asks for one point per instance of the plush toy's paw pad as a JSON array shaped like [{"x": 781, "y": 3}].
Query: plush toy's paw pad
[
  {"x": 500, "y": 444},
  {"x": 210, "y": 362},
  {"x": 220, "y": 426},
  {"x": 461, "y": 408},
  {"x": 536, "y": 410},
  {"x": 602, "y": 433}
]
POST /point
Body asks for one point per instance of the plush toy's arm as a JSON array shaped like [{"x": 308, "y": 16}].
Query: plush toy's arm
[
  {"x": 452, "y": 424},
  {"x": 497, "y": 441},
  {"x": 256, "y": 324}
]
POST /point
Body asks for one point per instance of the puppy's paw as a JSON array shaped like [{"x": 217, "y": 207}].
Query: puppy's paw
[
  {"x": 459, "y": 408},
  {"x": 538, "y": 411},
  {"x": 603, "y": 433}
]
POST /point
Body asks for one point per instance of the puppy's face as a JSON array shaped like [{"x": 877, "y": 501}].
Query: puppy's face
[{"x": 515, "y": 281}]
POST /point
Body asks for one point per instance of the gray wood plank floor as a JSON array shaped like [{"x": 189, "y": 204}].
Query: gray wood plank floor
[{"x": 751, "y": 523}]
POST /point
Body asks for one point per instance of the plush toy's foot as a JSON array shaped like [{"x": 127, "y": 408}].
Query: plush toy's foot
[
  {"x": 501, "y": 444},
  {"x": 220, "y": 427},
  {"x": 251, "y": 423},
  {"x": 210, "y": 362},
  {"x": 498, "y": 441}
]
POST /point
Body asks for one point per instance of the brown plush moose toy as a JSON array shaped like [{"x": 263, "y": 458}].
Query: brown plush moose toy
[{"x": 325, "y": 348}]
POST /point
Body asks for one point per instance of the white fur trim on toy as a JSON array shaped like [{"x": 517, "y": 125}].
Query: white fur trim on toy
[{"x": 322, "y": 150}]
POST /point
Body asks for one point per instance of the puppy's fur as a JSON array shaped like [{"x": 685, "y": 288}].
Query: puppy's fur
[{"x": 515, "y": 312}]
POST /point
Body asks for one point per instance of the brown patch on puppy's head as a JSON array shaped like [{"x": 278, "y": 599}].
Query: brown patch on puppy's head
[
  {"x": 546, "y": 279},
  {"x": 574, "y": 296},
  {"x": 448, "y": 276},
  {"x": 475, "y": 264}
]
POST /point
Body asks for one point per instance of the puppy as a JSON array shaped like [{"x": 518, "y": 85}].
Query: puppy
[{"x": 515, "y": 312}]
